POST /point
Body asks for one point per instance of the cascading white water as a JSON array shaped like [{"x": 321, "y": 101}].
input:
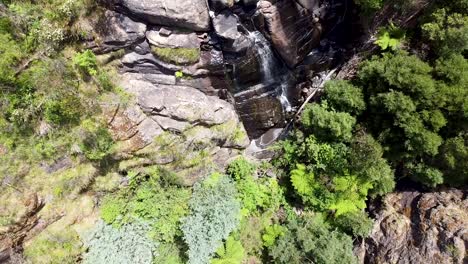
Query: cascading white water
[
  {"x": 268, "y": 66},
  {"x": 283, "y": 98}
]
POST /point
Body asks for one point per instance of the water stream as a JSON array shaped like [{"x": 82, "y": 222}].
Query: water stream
[{"x": 271, "y": 75}]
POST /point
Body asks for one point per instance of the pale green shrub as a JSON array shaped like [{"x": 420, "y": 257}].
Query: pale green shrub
[
  {"x": 214, "y": 214},
  {"x": 126, "y": 245}
]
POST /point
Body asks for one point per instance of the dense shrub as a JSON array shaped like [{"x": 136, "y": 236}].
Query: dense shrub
[
  {"x": 310, "y": 240},
  {"x": 86, "y": 62},
  {"x": 328, "y": 124},
  {"x": 214, "y": 214},
  {"x": 357, "y": 224},
  {"x": 256, "y": 194},
  {"x": 344, "y": 97},
  {"x": 127, "y": 245},
  {"x": 447, "y": 31},
  {"x": 160, "y": 207}
]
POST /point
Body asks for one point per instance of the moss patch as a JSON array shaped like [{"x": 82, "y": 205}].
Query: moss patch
[{"x": 177, "y": 55}]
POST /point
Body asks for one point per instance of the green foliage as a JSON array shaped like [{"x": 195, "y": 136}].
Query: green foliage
[
  {"x": 161, "y": 207},
  {"x": 179, "y": 74},
  {"x": 240, "y": 169},
  {"x": 54, "y": 248},
  {"x": 310, "y": 240},
  {"x": 86, "y": 62},
  {"x": 355, "y": 224},
  {"x": 367, "y": 162},
  {"x": 272, "y": 233},
  {"x": 10, "y": 55},
  {"x": 447, "y": 31},
  {"x": 256, "y": 194},
  {"x": 97, "y": 142},
  {"x": 230, "y": 253},
  {"x": 126, "y": 245},
  {"x": 370, "y": 5},
  {"x": 328, "y": 124},
  {"x": 350, "y": 194},
  {"x": 177, "y": 55},
  {"x": 214, "y": 214},
  {"x": 413, "y": 108},
  {"x": 169, "y": 253},
  {"x": 452, "y": 159},
  {"x": 428, "y": 176},
  {"x": 390, "y": 37},
  {"x": 63, "y": 110},
  {"x": 251, "y": 233},
  {"x": 344, "y": 97}
]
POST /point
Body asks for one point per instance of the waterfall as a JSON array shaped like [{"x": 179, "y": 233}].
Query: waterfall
[{"x": 269, "y": 68}]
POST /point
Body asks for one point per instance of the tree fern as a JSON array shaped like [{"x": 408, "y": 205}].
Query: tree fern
[
  {"x": 230, "y": 253},
  {"x": 303, "y": 181},
  {"x": 350, "y": 194}
]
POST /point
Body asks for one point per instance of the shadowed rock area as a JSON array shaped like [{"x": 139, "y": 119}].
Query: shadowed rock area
[{"x": 415, "y": 227}]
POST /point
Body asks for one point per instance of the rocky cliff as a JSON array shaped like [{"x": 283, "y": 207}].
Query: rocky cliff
[
  {"x": 414, "y": 227},
  {"x": 246, "y": 53}
]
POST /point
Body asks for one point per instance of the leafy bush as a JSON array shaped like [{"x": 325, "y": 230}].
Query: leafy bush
[
  {"x": 367, "y": 162},
  {"x": 347, "y": 194},
  {"x": 355, "y": 224},
  {"x": 126, "y": 245},
  {"x": 255, "y": 194},
  {"x": 344, "y": 97},
  {"x": 272, "y": 233},
  {"x": 10, "y": 56},
  {"x": 86, "y": 62},
  {"x": 310, "y": 240},
  {"x": 452, "y": 160},
  {"x": 214, "y": 214},
  {"x": 328, "y": 124},
  {"x": 64, "y": 110},
  {"x": 230, "y": 253},
  {"x": 428, "y": 176},
  {"x": 240, "y": 168},
  {"x": 161, "y": 207},
  {"x": 447, "y": 31},
  {"x": 390, "y": 37}
]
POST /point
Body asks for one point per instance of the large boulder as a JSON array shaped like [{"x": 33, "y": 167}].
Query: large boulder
[
  {"x": 189, "y": 14},
  {"x": 293, "y": 30},
  {"x": 113, "y": 31},
  {"x": 174, "y": 126},
  {"x": 168, "y": 38},
  {"x": 415, "y": 227}
]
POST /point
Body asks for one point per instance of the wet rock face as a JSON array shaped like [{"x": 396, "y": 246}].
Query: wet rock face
[
  {"x": 293, "y": 29},
  {"x": 235, "y": 50},
  {"x": 189, "y": 14},
  {"x": 420, "y": 228}
]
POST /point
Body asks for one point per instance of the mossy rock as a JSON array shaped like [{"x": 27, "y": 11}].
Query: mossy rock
[{"x": 177, "y": 55}]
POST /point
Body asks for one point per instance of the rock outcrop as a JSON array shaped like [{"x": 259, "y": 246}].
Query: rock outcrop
[
  {"x": 113, "y": 31},
  {"x": 189, "y": 14},
  {"x": 175, "y": 126},
  {"x": 415, "y": 227},
  {"x": 225, "y": 49}
]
